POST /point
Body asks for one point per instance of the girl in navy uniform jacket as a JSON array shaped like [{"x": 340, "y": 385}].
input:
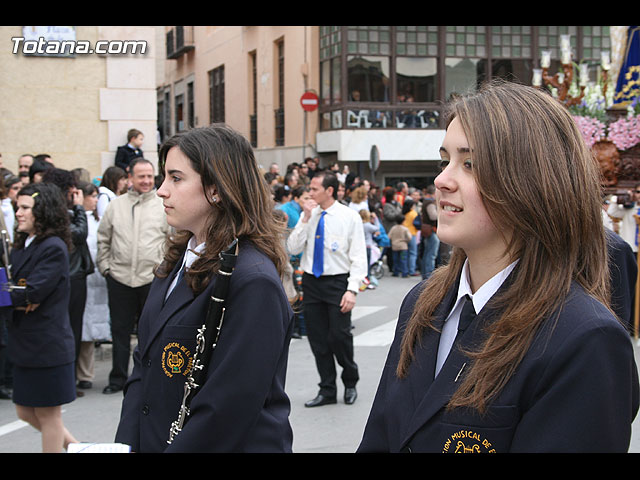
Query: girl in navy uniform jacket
[
  {"x": 41, "y": 343},
  {"x": 213, "y": 192},
  {"x": 544, "y": 365}
]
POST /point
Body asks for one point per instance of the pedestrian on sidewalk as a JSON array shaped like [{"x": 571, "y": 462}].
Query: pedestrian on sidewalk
[
  {"x": 330, "y": 237},
  {"x": 41, "y": 342},
  {"x": 400, "y": 237},
  {"x": 131, "y": 238}
]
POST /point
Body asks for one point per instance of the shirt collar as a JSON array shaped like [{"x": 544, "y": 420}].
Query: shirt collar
[
  {"x": 332, "y": 208},
  {"x": 192, "y": 252},
  {"x": 486, "y": 291}
]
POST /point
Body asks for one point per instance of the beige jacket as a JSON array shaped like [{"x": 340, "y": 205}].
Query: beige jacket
[
  {"x": 399, "y": 236},
  {"x": 131, "y": 238}
]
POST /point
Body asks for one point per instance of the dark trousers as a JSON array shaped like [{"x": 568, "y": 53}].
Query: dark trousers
[
  {"x": 125, "y": 306},
  {"x": 77, "y": 302},
  {"x": 329, "y": 331},
  {"x": 400, "y": 263}
]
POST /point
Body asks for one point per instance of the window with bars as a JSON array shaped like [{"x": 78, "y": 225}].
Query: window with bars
[
  {"x": 391, "y": 65},
  {"x": 179, "y": 112},
  {"x": 369, "y": 40},
  {"x": 216, "y": 95},
  {"x": 595, "y": 40},
  {"x": 330, "y": 42},
  {"x": 279, "y": 112},
  {"x": 191, "y": 119},
  {"x": 253, "y": 117},
  {"x": 419, "y": 41}
]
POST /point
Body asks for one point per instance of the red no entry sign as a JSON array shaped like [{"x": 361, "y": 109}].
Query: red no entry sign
[{"x": 309, "y": 101}]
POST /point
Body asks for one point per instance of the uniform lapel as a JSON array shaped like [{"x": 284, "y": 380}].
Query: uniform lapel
[
  {"x": 18, "y": 259},
  {"x": 426, "y": 354},
  {"x": 440, "y": 389},
  {"x": 159, "y": 312},
  {"x": 444, "y": 385}
]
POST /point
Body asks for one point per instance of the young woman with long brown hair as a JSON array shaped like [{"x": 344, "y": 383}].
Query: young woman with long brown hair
[
  {"x": 213, "y": 194},
  {"x": 544, "y": 364}
]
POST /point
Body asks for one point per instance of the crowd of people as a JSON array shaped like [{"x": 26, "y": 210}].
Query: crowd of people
[
  {"x": 517, "y": 339},
  {"x": 42, "y": 368},
  {"x": 409, "y": 211}
]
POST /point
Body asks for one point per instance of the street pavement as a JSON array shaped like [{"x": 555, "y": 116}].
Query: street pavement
[{"x": 328, "y": 429}]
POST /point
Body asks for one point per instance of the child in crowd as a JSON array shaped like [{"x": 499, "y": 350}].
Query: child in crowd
[
  {"x": 370, "y": 231},
  {"x": 400, "y": 237}
]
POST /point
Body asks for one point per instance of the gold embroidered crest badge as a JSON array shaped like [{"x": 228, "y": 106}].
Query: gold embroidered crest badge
[
  {"x": 467, "y": 441},
  {"x": 176, "y": 359}
]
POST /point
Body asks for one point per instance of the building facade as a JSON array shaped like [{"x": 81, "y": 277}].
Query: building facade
[
  {"x": 380, "y": 88},
  {"x": 250, "y": 77},
  {"x": 73, "y": 103}
]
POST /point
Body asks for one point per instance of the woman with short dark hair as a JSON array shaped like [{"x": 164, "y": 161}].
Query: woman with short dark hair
[{"x": 41, "y": 343}]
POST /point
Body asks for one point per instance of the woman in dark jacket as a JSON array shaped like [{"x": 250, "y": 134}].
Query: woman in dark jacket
[
  {"x": 213, "y": 193},
  {"x": 41, "y": 343},
  {"x": 541, "y": 363}
]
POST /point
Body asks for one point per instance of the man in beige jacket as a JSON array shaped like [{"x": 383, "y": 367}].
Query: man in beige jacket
[{"x": 131, "y": 237}]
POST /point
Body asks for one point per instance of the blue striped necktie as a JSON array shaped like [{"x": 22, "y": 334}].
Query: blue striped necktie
[{"x": 318, "y": 248}]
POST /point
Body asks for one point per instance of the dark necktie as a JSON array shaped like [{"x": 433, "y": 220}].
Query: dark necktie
[
  {"x": 318, "y": 248},
  {"x": 466, "y": 316}
]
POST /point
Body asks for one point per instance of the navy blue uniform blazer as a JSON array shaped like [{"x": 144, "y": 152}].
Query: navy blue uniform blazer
[
  {"x": 43, "y": 337},
  {"x": 576, "y": 389},
  {"x": 242, "y": 405},
  {"x": 623, "y": 270}
]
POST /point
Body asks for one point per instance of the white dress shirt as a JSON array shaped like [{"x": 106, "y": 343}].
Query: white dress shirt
[
  {"x": 189, "y": 257},
  {"x": 480, "y": 298},
  {"x": 344, "y": 246},
  {"x": 628, "y": 226}
]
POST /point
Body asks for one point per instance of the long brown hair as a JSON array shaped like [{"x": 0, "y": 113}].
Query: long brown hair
[
  {"x": 538, "y": 179},
  {"x": 245, "y": 210}
]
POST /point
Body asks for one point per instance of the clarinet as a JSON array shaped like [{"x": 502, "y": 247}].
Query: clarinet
[
  {"x": 6, "y": 245},
  {"x": 205, "y": 340}
]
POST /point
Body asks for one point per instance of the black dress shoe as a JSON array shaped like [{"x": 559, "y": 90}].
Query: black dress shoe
[
  {"x": 320, "y": 400},
  {"x": 111, "y": 389},
  {"x": 350, "y": 395},
  {"x": 84, "y": 384}
]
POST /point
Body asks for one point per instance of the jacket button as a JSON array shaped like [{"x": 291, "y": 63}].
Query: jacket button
[
  {"x": 148, "y": 362},
  {"x": 145, "y": 410}
]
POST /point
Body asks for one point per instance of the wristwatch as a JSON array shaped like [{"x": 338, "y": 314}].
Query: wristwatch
[{"x": 355, "y": 293}]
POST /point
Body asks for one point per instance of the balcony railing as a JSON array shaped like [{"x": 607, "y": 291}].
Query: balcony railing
[
  {"x": 366, "y": 115},
  {"x": 179, "y": 41}
]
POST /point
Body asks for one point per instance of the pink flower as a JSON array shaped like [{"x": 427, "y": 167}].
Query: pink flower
[
  {"x": 625, "y": 132},
  {"x": 592, "y": 129}
]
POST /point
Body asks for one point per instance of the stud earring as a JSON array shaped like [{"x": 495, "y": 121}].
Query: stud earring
[{"x": 214, "y": 199}]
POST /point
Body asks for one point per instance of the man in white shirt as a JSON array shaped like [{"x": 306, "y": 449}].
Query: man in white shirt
[
  {"x": 625, "y": 214},
  {"x": 332, "y": 275}
]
